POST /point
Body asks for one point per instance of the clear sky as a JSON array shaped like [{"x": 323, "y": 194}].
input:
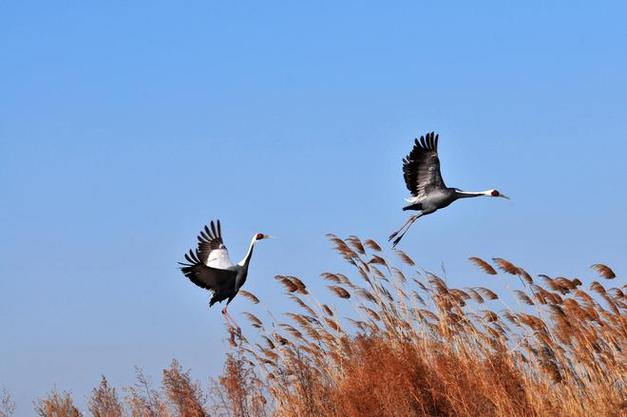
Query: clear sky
[{"x": 125, "y": 126}]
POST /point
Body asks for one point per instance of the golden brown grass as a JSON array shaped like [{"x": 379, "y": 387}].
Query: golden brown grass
[
  {"x": 410, "y": 346},
  {"x": 416, "y": 347},
  {"x": 104, "y": 401},
  {"x": 56, "y": 404},
  {"x": 7, "y": 405}
]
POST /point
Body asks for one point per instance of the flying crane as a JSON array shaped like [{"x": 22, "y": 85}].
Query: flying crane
[
  {"x": 210, "y": 267},
  {"x": 421, "y": 169}
]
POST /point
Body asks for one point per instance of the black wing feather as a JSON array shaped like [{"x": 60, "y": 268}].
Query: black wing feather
[
  {"x": 206, "y": 277},
  {"x": 209, "y": 239},
  {"x": 421, "y": 168}
]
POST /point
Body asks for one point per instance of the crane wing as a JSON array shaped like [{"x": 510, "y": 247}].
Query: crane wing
[
  {"x": 207, "y": 277},
  {"x": 421, "y": 168},
  {"x": 211, "y": 249}
]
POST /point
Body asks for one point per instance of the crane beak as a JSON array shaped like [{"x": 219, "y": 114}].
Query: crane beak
[
  {"x": 268, "y": 237},
  {"x": 504, "y": 196}
]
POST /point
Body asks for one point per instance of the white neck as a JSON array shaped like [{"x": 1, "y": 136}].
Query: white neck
[
  {"x": 465, "y": 194},
  {"x": 246, "y": 259}
]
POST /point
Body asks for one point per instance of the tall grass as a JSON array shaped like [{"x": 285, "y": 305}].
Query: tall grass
[
  {"x": 7, "y": 405},
  {"x": 417, "y": 347},
  {"x": 57, "y": 404},
  {"x": 410, "y": 346},
  {"x": 104, "y": 401}
]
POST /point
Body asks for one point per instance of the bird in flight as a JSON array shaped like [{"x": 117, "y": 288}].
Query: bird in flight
[
  {"x": 210, "y": 267},
  {"x": 421, "y": 169}
]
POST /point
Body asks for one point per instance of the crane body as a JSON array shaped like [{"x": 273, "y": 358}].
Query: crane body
[
  {"x": 211, "y": 268},
  {"x": 421, "y": 170}
]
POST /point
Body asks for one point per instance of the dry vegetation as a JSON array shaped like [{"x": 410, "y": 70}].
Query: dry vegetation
[
  {"x": 7, "y": 406},
  {"x": 413, "y": 347}
]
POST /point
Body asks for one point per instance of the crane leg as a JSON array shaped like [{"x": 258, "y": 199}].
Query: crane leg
[
  {"x": 227, "y": 317},
  {"x": 396, "y": 236},
  {"x": 409, "y": 221},
  {"x": 231, "y": 321},
  {"x": 393, "y": 235}
]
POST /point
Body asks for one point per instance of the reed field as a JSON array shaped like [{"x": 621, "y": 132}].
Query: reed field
[{"x": 394, "y": 340}]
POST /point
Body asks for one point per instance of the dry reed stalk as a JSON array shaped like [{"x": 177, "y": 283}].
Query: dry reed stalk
[
  {"x": 104, "y": 401},
  {"x": 249, "y": 296},
  {"x": 185, "y": 396},
  {"x": 57, "y": 404},
  {"x": 7, "y": 405},
  {"x": 355, "y": 242},
  {"x": 339, "y": 291},
  {"x": 304, "y": 305},
  {"x": 404, "y": 257},
  {"x": 143, "y": 400},
  {"x": 331, "y": 277},
  {"x": 506, "y": 266},
  {"x": 302, "y": 288},
  {"x": 604, "y": 270},
  {"x": 486, "y": 267},
  {"x": 327, "y": 310},
  {"x": 254, "y": 320},
  {"x": 372, "y": 245},
  {"x": 287, "y": 283}
]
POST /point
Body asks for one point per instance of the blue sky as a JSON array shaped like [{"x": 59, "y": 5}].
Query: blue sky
[{"x": 125, "y": 127}]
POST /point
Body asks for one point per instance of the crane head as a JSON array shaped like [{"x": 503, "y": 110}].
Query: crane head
[
  {"x": 260, "y": 236},
  {"x": 497, "y": 193}
]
